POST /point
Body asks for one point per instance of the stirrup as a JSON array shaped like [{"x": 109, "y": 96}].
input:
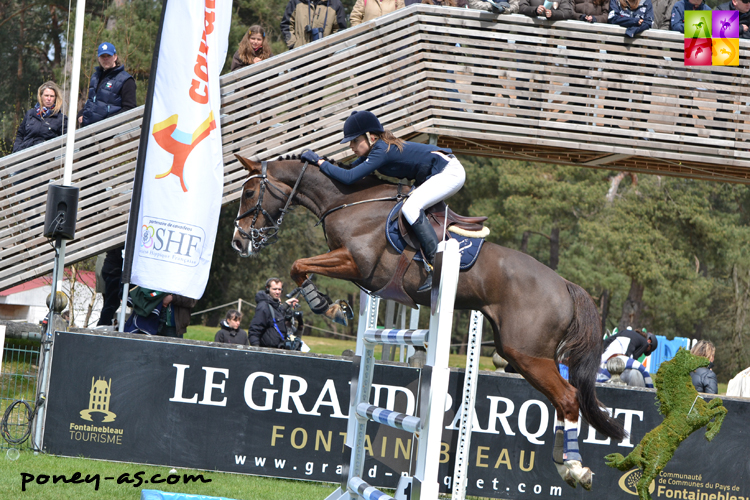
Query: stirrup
[{"x": 427, "y": 285}]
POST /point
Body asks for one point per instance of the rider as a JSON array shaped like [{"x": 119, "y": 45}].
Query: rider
[{"x": 436, "y": 173}]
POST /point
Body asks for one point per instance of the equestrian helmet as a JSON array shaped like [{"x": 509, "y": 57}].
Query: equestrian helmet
[{"x": 359, "y": 123}]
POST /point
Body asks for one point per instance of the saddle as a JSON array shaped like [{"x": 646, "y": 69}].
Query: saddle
[
  {"x": 436, "y": 214},
  {"x": 462, "y": 226}
]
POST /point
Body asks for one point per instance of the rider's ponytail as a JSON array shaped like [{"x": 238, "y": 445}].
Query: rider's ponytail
[{"x": 390, "y": 139}]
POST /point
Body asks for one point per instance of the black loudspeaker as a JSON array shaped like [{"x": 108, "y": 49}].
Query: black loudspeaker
[{"x": 62, "y": 209}]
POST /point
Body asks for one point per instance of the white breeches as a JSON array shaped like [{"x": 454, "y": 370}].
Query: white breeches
[{"x": 436, "y": 188}]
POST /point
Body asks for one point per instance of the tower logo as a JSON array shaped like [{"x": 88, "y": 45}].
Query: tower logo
[{"x": 99, "y": 400}]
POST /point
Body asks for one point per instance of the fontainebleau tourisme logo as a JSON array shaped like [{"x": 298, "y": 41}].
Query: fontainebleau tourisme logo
[
  {"x": 712, "y": 38},
  {"x": 98, "y": 413}
]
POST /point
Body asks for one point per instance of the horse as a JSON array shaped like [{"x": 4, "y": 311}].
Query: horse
[
  {"x": 684, "y": 413},
  {"x": 536, "y": 316}
]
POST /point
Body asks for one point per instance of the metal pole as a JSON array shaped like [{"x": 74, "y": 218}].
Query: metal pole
[
  {"x": 47, "y": 342},
  {"x": 75, "y": 78}
]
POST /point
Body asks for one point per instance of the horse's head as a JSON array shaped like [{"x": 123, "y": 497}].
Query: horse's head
[{"x": 263, "y": 202}]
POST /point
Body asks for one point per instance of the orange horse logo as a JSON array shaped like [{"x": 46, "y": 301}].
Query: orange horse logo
[{"x": 180, "y": 144}]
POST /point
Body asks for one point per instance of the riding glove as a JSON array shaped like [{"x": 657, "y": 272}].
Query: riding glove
[{"x": 310, "y": 156}]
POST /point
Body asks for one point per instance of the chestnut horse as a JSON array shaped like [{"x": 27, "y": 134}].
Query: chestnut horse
[{"x": 537, "y": 317}]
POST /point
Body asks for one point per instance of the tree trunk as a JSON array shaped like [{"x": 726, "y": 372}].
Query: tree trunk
[
  {"x": 604, "y": 308},
  {"x": 633, "y": 307},
  {"x": 19, "y": 70},
  {"x": 525, "y": 242},
  {"x": 554, "y": 248}
]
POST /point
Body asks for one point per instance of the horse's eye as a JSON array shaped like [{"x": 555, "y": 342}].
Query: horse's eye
[{"x": 249, "y": 193}]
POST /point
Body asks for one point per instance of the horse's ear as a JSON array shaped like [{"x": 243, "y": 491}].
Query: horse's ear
[{"x": 250, "y": 166}]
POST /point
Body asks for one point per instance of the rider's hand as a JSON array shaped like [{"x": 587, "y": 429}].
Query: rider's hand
[{"x": 310, "y": 156}]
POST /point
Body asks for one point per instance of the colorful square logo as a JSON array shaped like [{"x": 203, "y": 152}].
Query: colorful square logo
[
  {"x": 698, "y": 52},
  {"x": 726, "y": 24},
  {"x": 726, "y": 51},
  {"x": 712, "y": 37}
]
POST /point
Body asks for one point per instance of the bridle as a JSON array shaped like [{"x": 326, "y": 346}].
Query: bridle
[{"x": 266, "y": 235}]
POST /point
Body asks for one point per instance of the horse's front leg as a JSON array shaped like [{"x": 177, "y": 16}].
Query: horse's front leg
[{"x": 338, "y": 264}]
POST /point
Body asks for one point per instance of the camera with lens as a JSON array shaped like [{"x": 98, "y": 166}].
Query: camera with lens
[{"x": 315, "y": 33}]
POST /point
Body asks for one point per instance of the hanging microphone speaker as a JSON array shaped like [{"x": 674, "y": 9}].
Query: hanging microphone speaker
[{"x": 62, "y": 209}]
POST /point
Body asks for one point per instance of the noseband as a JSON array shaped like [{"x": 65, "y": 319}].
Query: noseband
[{"x": 266, "y": 235}]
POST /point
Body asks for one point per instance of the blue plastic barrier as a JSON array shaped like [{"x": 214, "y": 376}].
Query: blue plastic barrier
[
  {"x": 165, "y": 495},
  {"x": 665, "y": 351}
]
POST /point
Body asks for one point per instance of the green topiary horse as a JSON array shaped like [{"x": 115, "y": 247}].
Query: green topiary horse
[{"x": 684, "y": 413}]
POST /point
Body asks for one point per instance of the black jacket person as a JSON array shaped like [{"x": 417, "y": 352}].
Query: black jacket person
[
  {"x": 111, "y": 89},
  {"x": 268, "y": 329}
]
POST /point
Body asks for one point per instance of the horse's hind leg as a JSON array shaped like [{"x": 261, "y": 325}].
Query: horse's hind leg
[
  {"x": 717, "y": 412},
  {"x": 543, "y": 374}
]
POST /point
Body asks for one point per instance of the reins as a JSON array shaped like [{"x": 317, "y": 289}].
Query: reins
[{"x": 266, "y": 235}]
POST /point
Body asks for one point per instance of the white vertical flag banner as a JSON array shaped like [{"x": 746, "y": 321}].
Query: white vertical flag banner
[{"x": 184, "y": 171}]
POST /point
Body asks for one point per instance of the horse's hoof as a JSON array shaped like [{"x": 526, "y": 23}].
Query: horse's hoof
[
  {"x": 346, "y": 309},
  {"x": 565, "y": 474},
  {"x": 581, "y": 474},
  {"x": 337, "y": 313}
]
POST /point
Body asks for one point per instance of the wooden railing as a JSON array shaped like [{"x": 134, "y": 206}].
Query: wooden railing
[{"x": 566, "y": 92}]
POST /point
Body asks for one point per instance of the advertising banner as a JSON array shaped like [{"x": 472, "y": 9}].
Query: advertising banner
[
  {"x": 184, "y": 170},
  {"x": 284, "y": 415}
]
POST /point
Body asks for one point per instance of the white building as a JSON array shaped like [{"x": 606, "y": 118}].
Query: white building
[{"x": 26, "y": 302}]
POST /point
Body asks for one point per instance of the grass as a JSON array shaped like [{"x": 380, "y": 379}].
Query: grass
[
  {"x": 322, "y": 345},
  {"x": 235, "y": 486}
]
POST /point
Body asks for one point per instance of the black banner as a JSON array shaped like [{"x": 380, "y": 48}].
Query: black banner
[{"x": 284, "y": 415}]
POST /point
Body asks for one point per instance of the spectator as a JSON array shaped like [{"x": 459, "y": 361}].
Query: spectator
[
  {"x": 268, "y": 327},
  {"x": 176, "y": 315},
  {"x": 630, "y": 344},
  {"x": 677, "y": 20},
  {"x": 743, "y": 6},
  {"x": 111, "y": 90},
  {"x": 592, "y": 11},
  {"x": 634, "y": 15},
  {"x": 496, "y": 7},
  {"x": 704, "y": 379},
  {"x": 366, "y": 10},
  {"x": 111, "y": 273},
  {"x": 662, "y": 13},
  {"x": 44, "y": 121},
  {"x": 230, "y": 332},
  {"x": 554, "y": 11},
  {"x": 305, "y": 21},
  {"x": 253, "y": 48}
]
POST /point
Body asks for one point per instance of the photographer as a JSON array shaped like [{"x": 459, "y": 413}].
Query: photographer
[
  {"x": 305, "y": 21},
  {"x": 268, "y": 327}
]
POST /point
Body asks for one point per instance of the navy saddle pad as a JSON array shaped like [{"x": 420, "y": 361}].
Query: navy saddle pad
[{"x": 469, "y": 247}]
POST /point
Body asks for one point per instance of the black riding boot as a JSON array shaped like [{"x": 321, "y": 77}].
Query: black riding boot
[{"x": 429, "y": 241}]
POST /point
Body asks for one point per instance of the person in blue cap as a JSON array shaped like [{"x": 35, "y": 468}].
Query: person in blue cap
[
  {"x": 111, "y": 90},
  {"x": 436, "y": 173}
]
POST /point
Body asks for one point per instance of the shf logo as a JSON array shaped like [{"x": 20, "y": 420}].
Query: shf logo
[
  {"x": 171, "y": 241},
  {"x": 99, "y": 400}
]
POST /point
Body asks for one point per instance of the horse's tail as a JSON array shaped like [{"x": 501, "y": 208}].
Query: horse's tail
[{"x": 583, "y": 344}]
